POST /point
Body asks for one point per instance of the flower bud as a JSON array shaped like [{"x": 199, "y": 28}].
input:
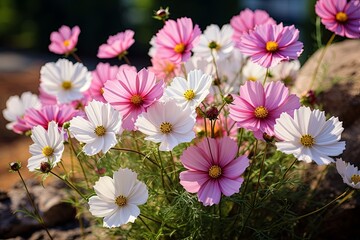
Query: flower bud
[
  {"x": 308, "y": 98},
  {"x": 15, "y": 166},
  {"x": 212, "y": 113},
  {"x": 199, "y": 112},
  {"x": 162, "y": 14},
  {"x": 45, "y": 167},
  {"x": 229, "y": 99},
  {"x": 268, "y": 138}
]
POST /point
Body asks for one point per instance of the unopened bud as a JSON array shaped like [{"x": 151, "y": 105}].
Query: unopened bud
[
  {"x": 212, "y": 113},
  {"x": 45, "y": 167},
  {"x": 268, "y": 138},
  {"x": 66, "y": 125},
  {"x": 15, "y": 166},
  {"x": 217, "y": 81},
  {"x": 229, "y": 99},
  {"x": 162, "y": 14},
  {"x": 308, "y": 98}
]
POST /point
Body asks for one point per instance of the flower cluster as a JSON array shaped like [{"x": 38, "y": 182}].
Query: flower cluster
[{"x": 206, "y": 117}]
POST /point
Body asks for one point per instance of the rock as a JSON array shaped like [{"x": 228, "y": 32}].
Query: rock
[
  {"x": 338, "y": 81},
  {"x": 49, "y": 201}
]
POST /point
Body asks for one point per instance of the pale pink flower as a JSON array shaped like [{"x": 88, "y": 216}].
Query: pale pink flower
[
  {"x": 132, "y": 93},
  {"x": 269, "y": 44},
  {"x": 340, "y": 16},
  {"x": 257, "y": 108},
  {"x": 64, "y": 41},
  {"x": 176, "y": 39},
  {"x": 164, "y": 69},
  {"x": 213, "y": 169},
  {"x": 117, "y": 45},
  {"x": 101, "y": 74},
  {"x": 246, "y": 20}
]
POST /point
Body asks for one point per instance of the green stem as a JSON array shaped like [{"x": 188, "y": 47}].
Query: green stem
[
  {"x": 138, "y": 152},
  {"x": 322, "y": 54},
  {"x": 216, "y": 72},
  {"x": 126, "y": 59},
  {"x": 266, "y": 76},
  {"x": 287, "y": 170},
  {"x": 70, "y": 185},
  {"x": 39, "y": 218},
  {"x": 76, "y": 57}
]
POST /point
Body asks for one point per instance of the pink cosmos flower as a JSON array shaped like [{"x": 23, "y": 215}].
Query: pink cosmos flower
[
  {"x": 41, "y": 117},
  {"x": 213, "y": 169},
  {"x": 257, "y": 108},
  {"x": 101, "y": 74},
  {"x": 65, "y": 40},
  {"x": 270, "y": 44},
  {"x": 247, "y": 20},
  {"x": 340, "y": 16},
  {"x": 117, "y": 45},
  {"x": 176, "y": 39},
  {"x": 164, "y": 69},
  {"x": 132, "y": 93}
]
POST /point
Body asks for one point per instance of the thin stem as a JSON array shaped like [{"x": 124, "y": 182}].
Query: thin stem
[
  {"x": 144, "y": 223},
  {"x": 69, "y": 184},
  {"x": 183, "y": 69},
  {"x": 322, "y": 54},
  {"x": 287, "y": 170},
  {"x": 266, "y": 76},
  {"x": 240, "y": 140},
  {"x": 216, "y": 72},
  {"x": 140, "y": 153},
  {"x": 76, "y": 57},
  {"x": 39, "y": 218},
  {"x": 126, "y": 59},
  {"x": 347, "y": 191}
]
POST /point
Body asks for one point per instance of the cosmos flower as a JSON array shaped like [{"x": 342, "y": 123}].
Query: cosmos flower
[
  {"x": 309, "y": 136},
  {"x": 190, "y": 92},
  {"x": 16, "y": 107},
  {"x": 286, "y": 72},
  {"x": 253, "y": 72},
  {"x": 99, "y": 129},
  {"x": 131, "y": 93},
  {"x": 65, "y": 80},
  {"x": 168, "y": 124},
  {"x": 47, "y": 147},
  {"x": 176, "y": 39},
  {"x": 257, "y": 107},
  {"x": 64, "y": 41},
  {"x": 349, "y": 173},
  {"x": 215, "y": 43},
  {"x": 117, "y": 198},
  {"x": 164, "y": 69},
  {"x": 269, "y": 44},
  {"x": 247, "y": 20},
  {"x": 117, "y": 45},
  {"x": 100, "y": 75},
  {"x": 340, "y": 16},
  {"x": 213, "y": 169}
]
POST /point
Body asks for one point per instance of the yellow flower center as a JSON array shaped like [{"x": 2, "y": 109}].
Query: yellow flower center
[
  {"x": 355, "y": 178},
  {"x": 179, "y": 48},
  {"x": 101, "y": 91},
  {"x": 120, "y": 200},
  {"x": 165, "y": 127},
  {"x": 66, "y": 43},
  {"x": 341, "y": 17},
  {"x": 136, "y": 99},
  {"x": 251, "y": 78},
  {"x": 261, "y": 112},
  {"x": 66, "y": 85},
  {"x": 215, "y": 171},
  {"x": 214, "y": 45},
  {"x": 100, "y": 131},
  {"x": 169, "y": 67},
  {"x": 272, "y": 46},
  {"x": 189, "y": 94},
  {"x": 307, "y": 140},
  {"x": 47, "y": 151}
]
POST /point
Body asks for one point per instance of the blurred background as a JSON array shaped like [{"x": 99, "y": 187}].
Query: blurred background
[{"x": 25, "y": 27}]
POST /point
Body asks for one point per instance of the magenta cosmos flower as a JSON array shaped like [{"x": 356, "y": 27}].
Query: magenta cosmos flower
[
  {"x": 213, "y": 169},
  {"x": 132, "y": 93},
  {"x": 247, "y": 20},
  {"x": 117, "y": 45},
  {"x": 176, "y": 39},
  {"x": 340, "y": 16},
  {"x": 65, "y": 40},
  {"x": 257, "y": 108},
  {"x": 269, "y": 44}
]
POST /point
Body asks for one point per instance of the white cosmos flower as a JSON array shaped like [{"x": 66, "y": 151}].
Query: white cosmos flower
[
  {"x": 286, "y": 71},
  {"x": 16, "y": 107},
  {"x": 309, "y": 136},
  {"x": 48, "y": 146},
  {"x": 349, "y": 173},
  {"x": 65, "y": 80},
  {"x": 253, "y": 72},
  {"x": 190, "y": 92},
  {"x": 215, "y": 42},
  {"x": 117, "y": 198},
  {"x": 99, "y": 130},
  {"x": 168, "y": 124}
]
